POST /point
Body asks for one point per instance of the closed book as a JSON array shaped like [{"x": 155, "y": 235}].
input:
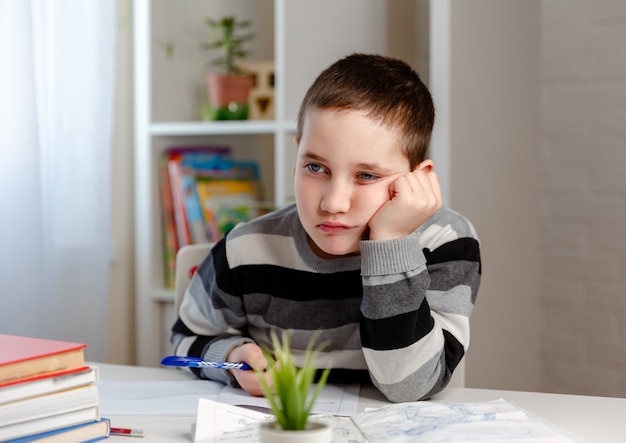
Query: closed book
[
  {"x": 195, "y": 219},
  {"x": 48, "y": 384},
  {"x": 50, "y": 423},
  {"x": 82, "y": 433},
  {"x": 187, "y": 157},
  {"x": 225, "y": 203},
  {"x": 170, "y": 245},
  {"x": 26, "y": 357},
  {"x": 183, "y": 236},
  {"x": 48, "y": 405}
]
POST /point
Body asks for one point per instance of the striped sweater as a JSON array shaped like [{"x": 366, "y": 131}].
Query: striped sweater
[{"x": 397, "y": 315}]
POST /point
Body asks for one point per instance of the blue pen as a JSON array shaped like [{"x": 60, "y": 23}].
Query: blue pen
[{"x": 195, "y": 362}]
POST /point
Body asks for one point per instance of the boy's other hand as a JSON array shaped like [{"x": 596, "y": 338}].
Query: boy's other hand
[
  {"x": 252, "y": 354},
  {"x": 414, "y": 198}
]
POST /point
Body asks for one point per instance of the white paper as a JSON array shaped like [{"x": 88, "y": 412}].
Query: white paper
[
  {"x": 222, "y": 423},
  {"x": 181, "y": 397},
  {"x": 431, "y": 422},
  {"x": 334, "y": 399},
  {"x": 155, "y": 397}
]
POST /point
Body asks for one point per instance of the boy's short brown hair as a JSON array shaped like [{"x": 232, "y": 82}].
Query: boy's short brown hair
[{"x": 386, "y": 88}]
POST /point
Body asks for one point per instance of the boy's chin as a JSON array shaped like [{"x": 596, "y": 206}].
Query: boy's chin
[{"x": 332, "y": 251}]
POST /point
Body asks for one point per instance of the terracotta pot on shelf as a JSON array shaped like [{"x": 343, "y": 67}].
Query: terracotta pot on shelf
[
  {"x": 315, "y": 432},
  {"x": 228, "y": 97}
]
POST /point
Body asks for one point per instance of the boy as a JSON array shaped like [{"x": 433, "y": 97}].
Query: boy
[{"x": 367, "y": 255}]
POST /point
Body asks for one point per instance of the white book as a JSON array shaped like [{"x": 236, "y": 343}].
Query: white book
[
  {"x": 50, "y": 423},
  {"x": 47, "y": 385},
  {"x": 49, "y": 405}
]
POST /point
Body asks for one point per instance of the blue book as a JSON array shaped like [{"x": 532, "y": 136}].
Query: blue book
[
  {"x": 195, "y": 219},
  {"x": 82, "y": 433}
]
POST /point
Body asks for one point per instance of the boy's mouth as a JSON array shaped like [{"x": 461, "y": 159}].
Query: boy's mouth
[{"x": 332, "y": 227}]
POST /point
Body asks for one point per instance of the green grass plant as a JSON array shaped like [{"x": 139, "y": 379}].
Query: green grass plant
[{"x": 291, "y": 397}]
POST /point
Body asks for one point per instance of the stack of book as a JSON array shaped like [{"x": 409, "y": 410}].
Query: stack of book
[
  {"x": 204, "y": 193},
  {"x": 47, "y": 392}
]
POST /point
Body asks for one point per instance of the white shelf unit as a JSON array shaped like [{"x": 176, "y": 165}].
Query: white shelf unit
[{"x": 306, "y": 38}]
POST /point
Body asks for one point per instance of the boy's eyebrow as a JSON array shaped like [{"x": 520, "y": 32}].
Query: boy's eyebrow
[
  {"x": 313, "y": 156},
  {"x": 364, "y": 166},
  {"x": 371, "y": 167}
]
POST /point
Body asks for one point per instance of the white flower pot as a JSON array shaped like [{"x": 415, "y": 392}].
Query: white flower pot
[{"x": 315, "y": 432}]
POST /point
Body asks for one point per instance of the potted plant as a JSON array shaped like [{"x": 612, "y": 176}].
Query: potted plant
[
  {"x": 229, "y": 89},
  {"x": 292, "y": 395}
]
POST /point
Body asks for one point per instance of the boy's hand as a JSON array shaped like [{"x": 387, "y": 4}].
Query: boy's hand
[
  {"x": 414, "y": 197},
  {"x": 252, "y": 354}
]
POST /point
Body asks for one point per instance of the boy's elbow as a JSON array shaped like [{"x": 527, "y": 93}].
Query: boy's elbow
[
  {"x": 401, "y": 393},
  {"x": 411, "y": 389}
]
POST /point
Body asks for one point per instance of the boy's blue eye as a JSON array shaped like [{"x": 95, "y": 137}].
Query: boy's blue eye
[
  {"x": 313, "y": 167},
  {"x": 367, "y": 177}
]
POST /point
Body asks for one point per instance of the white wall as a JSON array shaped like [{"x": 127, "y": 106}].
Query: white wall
[
  {"x": 584, "y": 197},
  {"x": 488, "y": 129}
]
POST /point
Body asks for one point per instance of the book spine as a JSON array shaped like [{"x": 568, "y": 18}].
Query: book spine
[
  {"x": 195, "y": 219},
  {"x": 170, "y": 242},
  {"x": 178, "y": 199}
]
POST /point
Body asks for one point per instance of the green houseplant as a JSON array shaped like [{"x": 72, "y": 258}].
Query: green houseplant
[
  {"x": 292, "y": 395},
  {"x": 229, "y": 89}
]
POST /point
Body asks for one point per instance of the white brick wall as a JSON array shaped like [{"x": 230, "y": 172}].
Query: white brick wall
[{"x": 584, "y": 197}]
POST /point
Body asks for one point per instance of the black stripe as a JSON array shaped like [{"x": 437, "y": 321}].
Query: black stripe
[
  {"x": 310, "y": 286},
  {"x": 361, "y": 376},
  {"x": 398, "y": 331},
  {"x": 460, "y": 249},
  {"x": 181, "y": 328},
  {"x": 278, "y": 281},
  {"x": 454, "y": 350}
]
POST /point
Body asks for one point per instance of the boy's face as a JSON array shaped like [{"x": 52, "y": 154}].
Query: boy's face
[{"x": 344, "y": 166}]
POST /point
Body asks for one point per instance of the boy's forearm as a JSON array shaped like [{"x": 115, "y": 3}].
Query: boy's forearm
[{"x": 415, "y": 326}]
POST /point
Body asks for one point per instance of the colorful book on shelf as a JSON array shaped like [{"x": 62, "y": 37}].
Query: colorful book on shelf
[
  {"x": 228, "y": 194},
  {"x": 23, "y": 358},
  {"x": 59, "y": 421},
  {"x": 81, "y": 433},
  {"x": 226, "y": 202},
  {"x": 176, "y": 229},
  {"x": 47, "y": 384},
  {"x": 175, "y": 158},
  {"x": 192, "y": 168}
]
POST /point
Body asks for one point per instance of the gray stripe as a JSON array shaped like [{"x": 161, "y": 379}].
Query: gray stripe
[
  {"x": 431, "y": 377},
  {"x": 395, "y": 299}
]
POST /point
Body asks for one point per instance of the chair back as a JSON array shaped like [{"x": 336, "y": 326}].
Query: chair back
[{"x": 187, "y": 260}]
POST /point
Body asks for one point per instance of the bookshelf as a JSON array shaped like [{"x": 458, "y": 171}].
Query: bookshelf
[{"x": 300, "y": 37}]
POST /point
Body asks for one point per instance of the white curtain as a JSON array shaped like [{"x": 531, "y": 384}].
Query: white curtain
[{"x": 56, "y": 101}]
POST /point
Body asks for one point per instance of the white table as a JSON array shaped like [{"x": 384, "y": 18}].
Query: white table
[{"x": 596, "y": 419}]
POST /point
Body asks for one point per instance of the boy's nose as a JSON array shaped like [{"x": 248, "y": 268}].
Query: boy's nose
[{"x": 336, "y": 198}]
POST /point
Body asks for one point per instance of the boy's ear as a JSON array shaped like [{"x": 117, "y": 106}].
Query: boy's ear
[{"x": 426, "y": 165}]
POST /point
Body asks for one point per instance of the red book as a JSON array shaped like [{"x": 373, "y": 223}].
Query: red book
[
  {"x": 175, "y": 177},
  {"x": 22, "y": 358},
  {"x": 170, "y": 241}
]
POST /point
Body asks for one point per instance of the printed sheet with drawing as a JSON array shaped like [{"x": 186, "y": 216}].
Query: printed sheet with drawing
[{"x": 431, "y": 422}]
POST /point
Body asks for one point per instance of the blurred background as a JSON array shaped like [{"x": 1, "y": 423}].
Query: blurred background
[{"x": 530, "y": 143}]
